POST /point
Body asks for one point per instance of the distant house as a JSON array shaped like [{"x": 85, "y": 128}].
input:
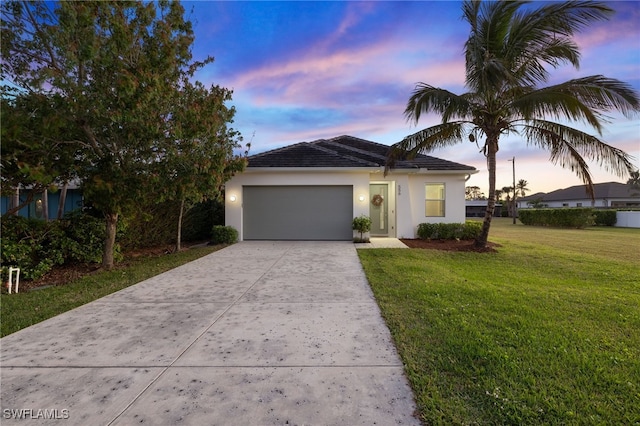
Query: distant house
[
  {"x": 607, "y": 195},
  {"x": 45, "y": 205},
  {"x": 476, "y": 208},
  {"x": 313, "y": 190}
]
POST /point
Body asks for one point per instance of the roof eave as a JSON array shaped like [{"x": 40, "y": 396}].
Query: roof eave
[{"x": 311, "y": 169}]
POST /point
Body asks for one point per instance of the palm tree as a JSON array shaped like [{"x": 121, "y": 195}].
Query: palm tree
[
  {"x": 521, "y": 188},
  {"x": 506, "y": 54}
]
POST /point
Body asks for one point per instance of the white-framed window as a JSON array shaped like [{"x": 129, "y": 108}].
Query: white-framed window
[{"x": 434, "y": 205}]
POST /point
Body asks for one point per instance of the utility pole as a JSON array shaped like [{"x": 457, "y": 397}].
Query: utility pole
[{"x": 514, "y": 210}]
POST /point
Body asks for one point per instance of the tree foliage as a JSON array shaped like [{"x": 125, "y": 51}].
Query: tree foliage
[
  {"x": 474, "y": 193},
  {"x": 508, "y": 55},
  {"x": 120, "y": 72}
]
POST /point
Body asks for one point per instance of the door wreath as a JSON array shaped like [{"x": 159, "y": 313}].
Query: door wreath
[{"x": 377, "y": 200}]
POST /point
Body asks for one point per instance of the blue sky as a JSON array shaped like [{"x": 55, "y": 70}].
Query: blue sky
[{"x": 302, "y": 71}]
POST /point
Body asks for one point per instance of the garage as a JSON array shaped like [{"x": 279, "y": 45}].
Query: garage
[{"x": 298, "y": 212}]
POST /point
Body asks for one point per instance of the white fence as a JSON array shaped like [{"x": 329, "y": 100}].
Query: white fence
[{"x": 628, "y": 219}]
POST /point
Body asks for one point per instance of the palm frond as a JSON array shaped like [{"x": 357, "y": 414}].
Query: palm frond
[
  {"x": 426, "y": 98},
  {"x": 570, "y": 148},
  {"x": 584, "y": 99},
  {"x": 426, "y": 140}
]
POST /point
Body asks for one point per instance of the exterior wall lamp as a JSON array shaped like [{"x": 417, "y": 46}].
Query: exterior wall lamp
[{"x": 232, "y": 198}]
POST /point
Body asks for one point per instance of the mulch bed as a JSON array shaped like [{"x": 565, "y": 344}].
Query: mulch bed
[{"x": 450, "y": 245}]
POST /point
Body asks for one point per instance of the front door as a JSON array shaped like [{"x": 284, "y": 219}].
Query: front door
[{"x": 379, "y": 209}]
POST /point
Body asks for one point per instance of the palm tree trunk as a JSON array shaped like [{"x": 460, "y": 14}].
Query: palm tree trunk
[
  {"x": 492, "y": 149},
  {"x": 110, "y": 240}
]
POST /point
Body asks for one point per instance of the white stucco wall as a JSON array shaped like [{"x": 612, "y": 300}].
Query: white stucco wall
[
  {"x": 406, "y": 194},
  {"x": 454, "y": 199}
]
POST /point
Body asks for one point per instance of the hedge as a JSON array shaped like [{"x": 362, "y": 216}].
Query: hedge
[
  {"x": 563, "y": 218},
  {"x": 606, "y": 217},
  {"x": 450, "y": 231}
]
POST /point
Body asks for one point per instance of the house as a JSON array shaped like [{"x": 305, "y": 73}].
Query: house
[
  {"x": 45, "y": 205},
  {"x": 477, "y": 208},
  {"x": 313, "y": 190},
  {"x": 606, "y": 195}
]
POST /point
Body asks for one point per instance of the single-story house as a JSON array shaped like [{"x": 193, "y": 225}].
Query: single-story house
[
  {"x": 477, "y": 208},
  {"x": 313, "y": 190},
  {"x": 45, "y": 205},
  {"x": 607, "y": 195}
]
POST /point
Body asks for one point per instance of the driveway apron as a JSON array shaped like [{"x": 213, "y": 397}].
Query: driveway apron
[{"x": 259, "y": 333}]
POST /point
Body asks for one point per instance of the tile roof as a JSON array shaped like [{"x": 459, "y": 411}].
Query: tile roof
[
  {"x": 606, "y": 190},
  {"x": 345, "y": 151}
]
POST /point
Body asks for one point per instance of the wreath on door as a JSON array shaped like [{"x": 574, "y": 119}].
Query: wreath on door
[{"x": 377, "y": 200}]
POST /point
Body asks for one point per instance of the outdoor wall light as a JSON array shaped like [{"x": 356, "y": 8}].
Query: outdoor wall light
[
  {"x": 232, "y": 198},
  {"x": 361, "y": 198}
]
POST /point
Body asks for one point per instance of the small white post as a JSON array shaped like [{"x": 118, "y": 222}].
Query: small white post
[{"x": 11, "y": 271}]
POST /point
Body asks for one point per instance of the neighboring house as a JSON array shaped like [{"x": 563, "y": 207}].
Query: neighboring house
[
  {"x": 46, "y": 204},
  {"x": 477, "y": 208},
  {"x": 607, "y": 195},
  {"x": 313, "y": 190}
]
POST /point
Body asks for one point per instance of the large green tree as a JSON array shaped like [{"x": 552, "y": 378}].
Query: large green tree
[
  {"x": 119, "y": 66},
  {"x": 508, "y": 53},
  {"x": 36, "y": 143},
  {"x": 202, "y": 150}
]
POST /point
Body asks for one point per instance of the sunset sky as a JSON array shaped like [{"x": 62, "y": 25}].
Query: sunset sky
[{"x": 302, "y": 71}]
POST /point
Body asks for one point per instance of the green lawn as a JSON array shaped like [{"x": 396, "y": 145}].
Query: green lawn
[
  {"x": 21, "y": 310},
  {"x": 546, "y": 331}
]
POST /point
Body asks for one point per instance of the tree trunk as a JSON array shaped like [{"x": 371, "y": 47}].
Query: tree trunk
[
  {"x": 179, "y": 233},
  {"x": 110, "y": 240},
  {"x": 62, "y": 200},
  {"x": 492, "y": 149},
  {"x": 45, "y": 205}
]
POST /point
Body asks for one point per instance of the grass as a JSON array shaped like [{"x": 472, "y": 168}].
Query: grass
[
  {"x": 21, "y": 310},
  {"x": 546, "y": 331}
]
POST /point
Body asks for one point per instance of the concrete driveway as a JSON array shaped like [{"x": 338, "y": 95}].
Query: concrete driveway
[{"x": 260, "y": 333}]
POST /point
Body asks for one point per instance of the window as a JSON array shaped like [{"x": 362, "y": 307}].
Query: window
[
  {"x": 578, "y": 204},
  {"x": 434, "y": 199}
]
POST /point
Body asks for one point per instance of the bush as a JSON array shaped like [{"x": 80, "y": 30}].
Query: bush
[
  {"x": 36, "y": 245},
  {"x": 30, "y": 244},
  {"x": 562, "y": 218},
  {"x": 83, "y": 240},
  {"x": 200, "y": 219},
  {"x": 224, "y": 235},
  {"x": 605, "y": 217},
  {"x": 450, "y": 231},
  {"x": 361, "y": 224}
]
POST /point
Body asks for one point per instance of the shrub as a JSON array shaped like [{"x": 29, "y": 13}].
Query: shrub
[
  {"x": 361, "y": 224},
  {"x": 30, "y": 244},
  {"x": 606, "y": 217},
  {"x": 200, "y": 219},
  {"x": 562, "y": 218},
  {"x": 36, "y": 245},
  {"x": 224, "y": 235},
  {"x": 83, "y": 240},
  {"x": 450, "y": 231}
]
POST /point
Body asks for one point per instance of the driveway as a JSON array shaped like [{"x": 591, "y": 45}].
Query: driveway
[{"x": 259, "y": 333}]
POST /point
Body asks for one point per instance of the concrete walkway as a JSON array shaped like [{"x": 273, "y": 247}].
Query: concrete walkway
[{"x": 260, "y": 333}]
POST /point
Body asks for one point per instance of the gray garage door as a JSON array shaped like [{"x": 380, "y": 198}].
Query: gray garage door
[{"x": 297, "y": 212}]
